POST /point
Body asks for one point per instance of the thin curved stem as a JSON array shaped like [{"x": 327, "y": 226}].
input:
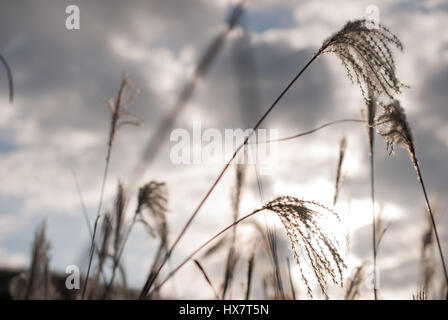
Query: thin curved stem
[
  {"x": 307, "y": 132},
  {"x": 428, "y": 207},
  {"x": 374, "y": 243}
]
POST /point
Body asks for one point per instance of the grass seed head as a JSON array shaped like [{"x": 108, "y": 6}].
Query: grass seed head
[
  {"x": 301, "y": 220},
  {"x": 394, "y": 127},
  {"x": 367, "y": 57},
  {"x": 154, "y": 197}
]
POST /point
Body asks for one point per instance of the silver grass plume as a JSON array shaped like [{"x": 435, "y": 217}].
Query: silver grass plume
[
  {"x": 394, "y": 127},
  {"x": 153, "y": 196},
  {"x": 367, "y": 57},
  {"x": 300, "y": 219},
  {"x": 119, "y": 108}
]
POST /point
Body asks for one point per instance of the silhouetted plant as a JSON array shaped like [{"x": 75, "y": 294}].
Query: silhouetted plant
[{"x": 395, "y": 129}]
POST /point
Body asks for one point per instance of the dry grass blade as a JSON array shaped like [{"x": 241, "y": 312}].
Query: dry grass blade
[
  {"x": 338, "y": 180},
  {"x": 308, "y": 240},
  {"x": 10, "y": 80},
  {"x": 250, "y": 271},
  {"x": 198, "y": 264}
]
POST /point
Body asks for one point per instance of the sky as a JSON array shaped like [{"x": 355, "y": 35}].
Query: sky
[{"x": 57, "y": 127}]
